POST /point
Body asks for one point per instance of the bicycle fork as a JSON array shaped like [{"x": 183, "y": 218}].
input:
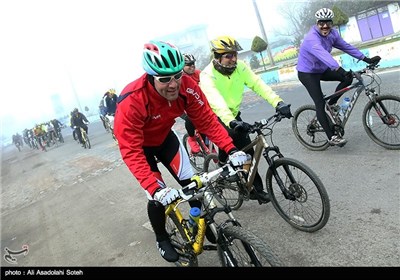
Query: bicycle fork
[
  {"x": 271, "y": 163},
  {"x": 386, "y": 117}
]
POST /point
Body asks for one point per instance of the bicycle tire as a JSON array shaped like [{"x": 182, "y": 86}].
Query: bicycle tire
[
  {"x": 113, "y": 135},
  {"x": 86, "y": 140},
  {"x": 307, "y": 129},
  {"x": 176, "y": 233},
  {"x": 196, "y": 160},
  {"x": 382, "y": 134},
  {"x": 244, "y": 249},
  {"x": 225, "y": 192},
  {"x": 60, "y": 137},
  {"x": 310, "y": 210}
]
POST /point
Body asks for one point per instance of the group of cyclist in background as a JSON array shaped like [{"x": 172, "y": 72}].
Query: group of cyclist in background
[
  {"x": 47, "y": 133},
  {"x": 40, "y": 136}
]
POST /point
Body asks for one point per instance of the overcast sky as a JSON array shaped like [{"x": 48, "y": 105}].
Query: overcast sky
[{"x": 84, "y": 47}]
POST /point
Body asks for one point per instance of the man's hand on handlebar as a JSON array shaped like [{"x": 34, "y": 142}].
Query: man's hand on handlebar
[
  {"x": 284, "y": 109},
  {"x": 373, "y": 60}
]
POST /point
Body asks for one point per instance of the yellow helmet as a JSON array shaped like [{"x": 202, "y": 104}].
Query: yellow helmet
[
  {"x": 111, "y": 90},
  {"x": 224, "y": 44}
]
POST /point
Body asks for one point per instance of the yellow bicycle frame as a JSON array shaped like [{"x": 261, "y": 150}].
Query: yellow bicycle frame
[{"x": 199, "y": 238}]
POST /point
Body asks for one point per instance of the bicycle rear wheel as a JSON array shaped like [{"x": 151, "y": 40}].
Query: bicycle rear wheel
[
  {"x": 180, "y": 241},
  {"x": 239, "y": 247},
  {"x": 225, "y": 192},
  {"x": 196, "y": 159},
  {"x": 386, "y": 134},
  {"x": 309, "y": 208},
  {"x": 308, "y": 130}
]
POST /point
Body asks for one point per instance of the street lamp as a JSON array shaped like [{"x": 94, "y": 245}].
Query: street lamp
[{"x": 260, "y": 23}]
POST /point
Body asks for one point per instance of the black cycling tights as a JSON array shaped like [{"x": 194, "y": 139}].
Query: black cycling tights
[
  {"x": 312, "y": 83},
  {"x": 174, "y": 157}
]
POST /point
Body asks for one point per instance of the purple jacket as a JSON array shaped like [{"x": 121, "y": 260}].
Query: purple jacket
[{"x": 314, "y": 54}]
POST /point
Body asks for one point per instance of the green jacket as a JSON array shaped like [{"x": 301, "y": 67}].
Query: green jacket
[{"x": 225, "y": 93}]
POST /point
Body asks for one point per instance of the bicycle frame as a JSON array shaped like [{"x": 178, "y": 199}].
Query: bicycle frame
[
  {"x": 83, "y": 133},
  {"x": 261, "y": 147},
  {"x": 360, "y": 87},
  {"x": 206, "y": 148},
  {"x": 205, "y": 195},
  {"x": 197, "y": 241}
]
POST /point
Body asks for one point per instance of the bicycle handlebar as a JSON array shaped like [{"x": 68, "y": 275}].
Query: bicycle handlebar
[
  {"x": 263, "y": 123},
  {"x": 369, "y": 67},
  {"x": 200, "y": 181}
]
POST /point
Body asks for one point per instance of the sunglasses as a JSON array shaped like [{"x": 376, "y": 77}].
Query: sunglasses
[
  {"x": 329, "y": 23},
  {"x": 167, "y": 79},
  {"x": 229, "y": 55},
  {"x": 189, "y": 64}
]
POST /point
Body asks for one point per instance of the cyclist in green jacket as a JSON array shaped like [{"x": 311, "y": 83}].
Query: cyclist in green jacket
[{"x": 223, "y": 82}]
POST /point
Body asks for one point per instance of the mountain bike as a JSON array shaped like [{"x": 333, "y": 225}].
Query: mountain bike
[
  {"x": 380, "y": 118},
  {"x": 236, "y": 246},
  {"x": 85, "y": 138},
  {"x": 296, "y": 192},
  {"x": 206, "y": 147}
]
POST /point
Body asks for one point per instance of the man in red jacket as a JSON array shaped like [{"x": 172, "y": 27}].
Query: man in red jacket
[
  {"x": 146, "y": 111},
  {"x": 190, "y": 70}
]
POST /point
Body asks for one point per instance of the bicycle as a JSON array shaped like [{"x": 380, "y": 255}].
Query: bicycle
[
  {"x": 85, "y": 138},
  {"x": 206, "y": 147},
  {"x": 380, "y": 118},
  {"x": 297, "y": 193},
  {"x": 59, "y": 135},
  {"x": 109, "y": 121},
  {"x": 236, "y": 246}
]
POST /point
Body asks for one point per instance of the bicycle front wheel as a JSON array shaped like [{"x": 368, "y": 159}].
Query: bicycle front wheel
[
  {"x": 239, "y": 247},
  {"x": 113, "y": 135},
  {"x": 180, "y": 241},
  {"x": 307, "y": 208},
  {"x": 60, "y": 137},
  {"x": 308, "y": 130},
  {"x": 385, "y": 134},
  {"x": 196, "y": 159},
  {"x": 225, "y": 192},
  {"x": 87, "y": 141}
]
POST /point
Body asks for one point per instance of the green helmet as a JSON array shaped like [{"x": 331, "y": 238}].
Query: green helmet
[{"x": 161, "y": 58}]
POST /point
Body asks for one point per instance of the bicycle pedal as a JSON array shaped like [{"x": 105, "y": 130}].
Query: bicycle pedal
[{"x": 210, "y": 247}]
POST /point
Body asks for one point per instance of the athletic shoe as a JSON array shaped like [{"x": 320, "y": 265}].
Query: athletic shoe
[{"x": 337, "y": 141}]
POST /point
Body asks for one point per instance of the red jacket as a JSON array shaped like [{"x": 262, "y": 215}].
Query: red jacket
[
  {"x": 144, "y": 118},
  {"x": 195, "y": 76}
]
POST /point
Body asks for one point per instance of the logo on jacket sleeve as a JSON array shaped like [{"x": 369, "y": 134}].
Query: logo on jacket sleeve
[{"x": 196, "y": 95}]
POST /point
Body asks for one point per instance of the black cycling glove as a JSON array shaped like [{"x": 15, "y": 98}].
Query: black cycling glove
[
  {"x": 344, "y": 73},
  {"x": 240, "y": 125},
  {"x": 373, "y": 60},
  {"x": 284, "y": 109}
]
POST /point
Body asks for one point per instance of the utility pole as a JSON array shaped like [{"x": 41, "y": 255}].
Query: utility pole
[{"x": 260, "y": 23}]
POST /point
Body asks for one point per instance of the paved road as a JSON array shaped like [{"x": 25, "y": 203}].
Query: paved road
[{"x": 76, "y": 207}]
